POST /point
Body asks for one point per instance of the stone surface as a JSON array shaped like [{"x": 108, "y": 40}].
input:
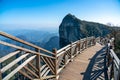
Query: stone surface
[{"x": 72, "y": 29}]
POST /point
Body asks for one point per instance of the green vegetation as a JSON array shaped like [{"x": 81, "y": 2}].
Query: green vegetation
[{"x": 116, "y": 34}]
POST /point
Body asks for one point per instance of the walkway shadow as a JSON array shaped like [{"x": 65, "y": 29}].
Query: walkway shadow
[{"x": 96, "y": 69}]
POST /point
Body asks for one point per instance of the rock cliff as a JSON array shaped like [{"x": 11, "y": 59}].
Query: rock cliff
[{"x": 72, "y": 29}]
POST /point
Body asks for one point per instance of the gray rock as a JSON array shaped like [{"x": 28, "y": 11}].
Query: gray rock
[{"x": 72, "y": 29}]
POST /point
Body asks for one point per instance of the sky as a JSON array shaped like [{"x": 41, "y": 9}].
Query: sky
[{"x": 49, "y": 13}]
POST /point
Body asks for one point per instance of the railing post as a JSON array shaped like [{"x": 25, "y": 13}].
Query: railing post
[
  {"x": 86, "y": 44},
  {"x": 83, "y": 45},
  {"x": 71, "y": 51},
  {"x": 56, "y": 75},
  {"x": 107, "y": 56},
  {"x": 38, "y": 63},
  {"x": 80, "y": 46},
  {"x": 119, "y": 71},
  {"x": 112, "y": 70},
  {"x": 108, "y": 61},
  {"x": 94, "y": 41},
  {"x": 0, "y": 75}
]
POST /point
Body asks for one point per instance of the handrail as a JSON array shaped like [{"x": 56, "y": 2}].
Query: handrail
[
  {"x": 114, "y": 56},
  {"x": 22, "y": 41},
  {"x": 62, "y": 49},
  {"x": 113, "y": 63},
  {"x": 67, "y": 53},
  {"x": 25, "y": 61},
  {"x": 15, "y": 59},
  {"x": 24, "y": 49}
]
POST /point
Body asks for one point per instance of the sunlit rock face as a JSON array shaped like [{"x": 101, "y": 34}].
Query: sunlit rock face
[{"x": 72, "y": 29}]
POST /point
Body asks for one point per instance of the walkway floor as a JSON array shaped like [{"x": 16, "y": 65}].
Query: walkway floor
[{"x": 89, "y": 65}]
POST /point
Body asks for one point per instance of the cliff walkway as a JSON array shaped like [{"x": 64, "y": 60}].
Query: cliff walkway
[
  {"x": 89, "y": 65},
  {"x": 85, "y": 59}
]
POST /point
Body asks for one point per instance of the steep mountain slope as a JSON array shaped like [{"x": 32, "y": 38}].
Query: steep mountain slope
[
  {"x": 72, "y": 29},
  {"x": 52, "y": 43}
]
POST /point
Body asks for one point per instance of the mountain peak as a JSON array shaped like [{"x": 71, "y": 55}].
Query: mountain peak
[
  {"x": 72, "y": 29},
  {"x": 69, "y": 16}
]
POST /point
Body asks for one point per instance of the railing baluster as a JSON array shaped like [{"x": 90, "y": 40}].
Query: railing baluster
[
  {"x": 0, "y": 75},
  {"x": 65, "y": 57},
  {"x": 71, "y": 54},
  {"x": 86, "y": 44},
  {"x": 112, "y": 72},
  {"x": 38, "y": 63},
  {"x": 94, "y": 41},
  {"x": 80, "y": 46},
  {"x": 119, "y": 72},
  {"x": 56, "y": 66}
]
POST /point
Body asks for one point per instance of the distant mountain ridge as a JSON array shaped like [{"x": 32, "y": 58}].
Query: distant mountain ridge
[
  {"x": 33, "y": 35},
  {"x": 42, "y": 39},
  {"x": 72, "y": 29},
  {"x": 52, "y": 43}
]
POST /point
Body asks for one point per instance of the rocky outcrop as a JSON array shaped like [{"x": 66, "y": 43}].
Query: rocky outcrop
[{"x": 72, "y": 29}]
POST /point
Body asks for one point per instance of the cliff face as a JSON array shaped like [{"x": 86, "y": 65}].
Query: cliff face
[{"x": 72, "y": 29}]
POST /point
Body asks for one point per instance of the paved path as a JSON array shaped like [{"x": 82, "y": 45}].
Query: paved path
[{"x": 89, "y": 65}]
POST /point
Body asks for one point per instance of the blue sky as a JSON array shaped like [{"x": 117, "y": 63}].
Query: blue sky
[{"x": 49, "y": 13}]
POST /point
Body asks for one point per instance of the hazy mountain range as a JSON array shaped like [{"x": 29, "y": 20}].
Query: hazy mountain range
[
  {"x": 44, "y": 39},
  {"x": 70, "y": 29}
]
